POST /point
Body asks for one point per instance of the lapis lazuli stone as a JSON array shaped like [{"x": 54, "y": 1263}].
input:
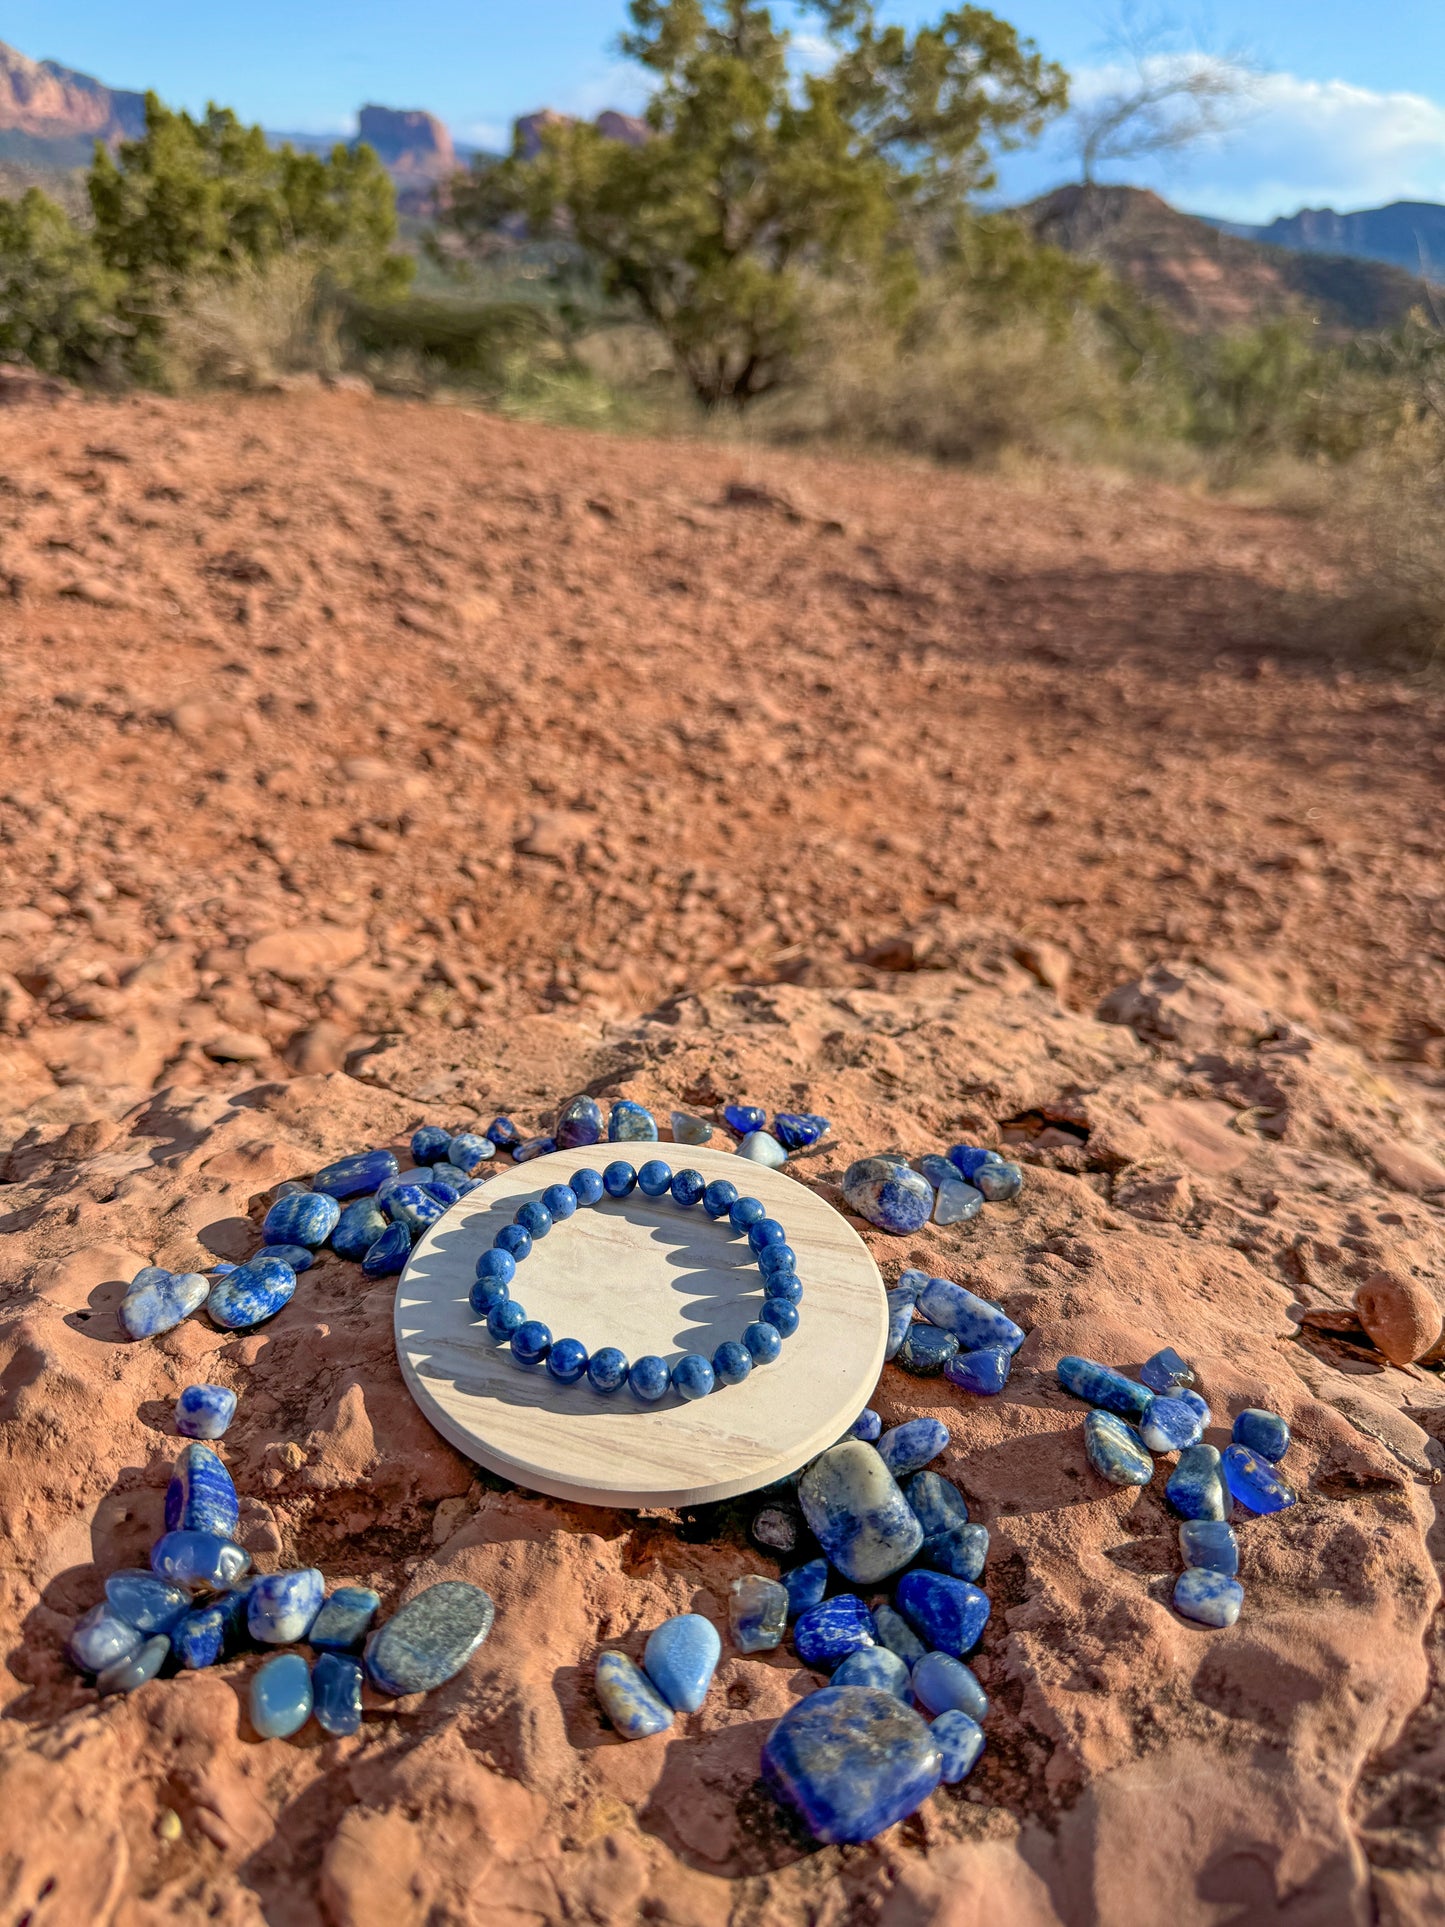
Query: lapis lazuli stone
[
  {"x": 1210, "y": 1543},
  {"x": 336, "y": 1681},
  {"x": 299, "y": 1257},
  {"x": 430, "y": 1639},
  {"x": 1212, "y": 1598},
  {"x": 805, "y": 1586},
  {"x": 280, "y": 1696},
  {"x": 156, "y": 1300},
  {"x": 515, "y": 1240},
  {"x": 909, "y": 1447},
  {"x": 358, "y": 1228},
  {"x": 531, "y": 1342},
  {"x": 900, "y": 1317},
  {"x": 827, "y": 1633},
  {"x": 680, "y": 1659},
  {"x": 251, "y": 1294},
  {"x": 764, "y": 1342},
  {"x": 960, "y": 1552},
  {"x": 1195, "y": 1488},
  {"x": 720, "y": 1197},
  {"x": 629, "y": 1123},
  {"x": 629, "y": 1699},
  {"x": 145, "y": 1602},
  {"x": 887, "y": 1193},
  {"x": 1170, "y": 1425},
  {"x": 204, "y": 1411},
  {"x": 1114, "y": 1450},
  {"x": 742, "y": 1118},
  {"x": 534, "y": 1217},
  {"x": 764, "y": 1232},
  {"x": 503, "y": 1132},
  {"x": 445, "y": 1194},
  {"x": 309, "y": 1219},
  {"x": 937, "y": 1504},
  {"x": 649, "y": 1378},
  {"x": 505, "y": 1319},
  {"x": 926, "y": 1350},
  {"x": 389, "y": 1253},
  {"x": 1193, "y": 1400},
  {"x": 414, "y": 1206},
  {"x": 944, "y": 1684},
  {"x": 1254, "y": 1482},
  {"x": 731, "y": 1362},
  {"x": 1265, "y": 1433},
  {"x": 1166, "y": 1371},
  {"x": 896, "y": 1634},
  {"x": 587, "y": 1185},
  {"x": 798, "y": 1130},
  {"x": 468, "y": 1152},
  {"x": 757, "y": 1613},
  {"x": 125, "y": 1675},
  {"x": 984, "y": 1372},
  {"x": 579, "y": 1123},
  {"x": 746, "y": 1211},
  {"x": 1109, "y": 1390},
  {"x": 654, "y": 1178},
  {"x": 959, "y": 1738},
  {"x": 687, "y": 1129},
  {"x": 607, "y": 1369},
  {"x": 947, "y": 1614},
  {"x": 868, "y": 1426},
  {"x": 692, "y": 1375},
  {"x": 344, "y": 1620},
  {"x": 201, "y": 1496},
  {"x": 420, "y": 1176},
  {"x": 567, "y": 1361},
  {"x": 781, "y": 1314},
  {"x": 969, "y": 1159},
  {"x": 910, "y": 1283},
  {"x": 687, "y": 1188},
  {"x": 534, "y": 1147},
  {"x": 100, "y": 1637},
  {"x": 874, "y": 1666},
  {"x": 777, "y": 1260},
  {"x": 198, "y": 1560},
  {"x": 999, "y": 1182},
  {"x": 974, "y": 1321},
  {"x": 561, "y": 1201},
  {"x": 202, "y": 1637},
  {"x": 956, "y": 1202},
  {"x": 366, "y": 1171},
  {"x": 851, "y": 1761},
  {"x": 759, "y": 1148},
  {"x": 428, "y": 1143},
  {"x": 282, "y": 1605},
  {"x": 857, "y": 1513}
]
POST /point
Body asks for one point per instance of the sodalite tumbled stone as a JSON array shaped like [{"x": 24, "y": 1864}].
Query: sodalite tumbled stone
[
  {"x": 204, "y": 1411},
  {"x": 868, "y": 1426},
  {"x": 896, "y": 1634},
  {"x": 389, "y": 1253},
  {"x": 1166, "y": 1371},
  {"x": 1195, "y": 1488},
  {"x": 100, "y": 1637},
  {"x": 1107, "y": 1389},
  {"x": 145, "y": 1602},
  {"x": 156, "y": 1300},
  {"x": 429, "y": 1142},
  {"x": 926, "y": 1350},
  {"x": 414, "y": 1206},
  {"x": 805, "y": 1586},
  {"x": 959, "y": 1738},
  {"x": 984, "y": 1372},
  {"x": 629, "y": 1699},
  {"x": 358, "y": 1228},
  {"x": 907, "y": 1448},
  {"x": 430, "y": 1639},
  {"x": 1261, "y": 1432},
  {"x": 943, "y": 1684},
  {"x": 887, "y": 1193},
  {"x": 344, "y": 1620},
  {"x": 937, "y": 1504},
  {"x": 857, "y": 1513},
  {"x": 201, "y": 1496},
  {"x": 797, "y": 1130},
  {"x": 874, "y": 1666},
  {"x": 307, "y": 1218},
  {"x": 629, "y": 1123},
  {"x": 1254, "y": 1482},
  {"x": 578, "y": 1123},
  {"x": 336, "y": 1682},
  {"x": 680, "y": 1659},
  {"x": 365, "y": 1171},
  {"x": 1115, "y": 1452},
  {"x": 947, "y": 1614},
  {"x": 974, "y": 1321},
  {"x": 125, "y": 1675},
  {"x": 1211, "y": 1544},
  {"x": 1170, "y": 1426},
  {"x": 851, "y": 1761},
  {"x": 282, "y": 1605},
  {"x": 826, "y": 1634},
  {"x": 280, "y": 1696},
  {"x": 199, "y": 1561},
  {"x": 1211, "y": 1598},
  {"x": 900, "y": 1317},
  {"x": 251, "y": 1294},
  {"x": 467, "y": 1152},
  {"x": 757, "y": 1613},
  {"x": 961, "y": 1551}
]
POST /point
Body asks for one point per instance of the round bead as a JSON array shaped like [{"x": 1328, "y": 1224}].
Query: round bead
[
  {"x": 560, "y": 1200},
  {"x": 786, "y": 1286},
  {"x": 775, "y": 1258},
  {"x": 534, "y": 1217},
  {"x": 692, "y": 1376},
  {"x": 688, "y": 1187},
  {"x": 531, "y": 1342},
  {"x": 649, "y": 1379},
  {"x": 767, "y": 1231},
  {"x": 607, "y": 1369},
  {"x": 496, "y": 1264},
  {"x": 731, "y": 1363},
  {"x": 503, "y": 1319},
  {"x": 485, "y": 1293},
  {"x": 586, "y": 1185},
  {"x": 567, "y": 1360},
  {"x": 764, "y": 1342},
  {"x": 720, "y": 1196},
  {"x": 778, "y": 1312},
  {"x": 746, "y": 1211},
  {"x": 513, "y": 1238},
  {"x": 619, "y": 1178},
  {"x": 654, "y": 1178}
]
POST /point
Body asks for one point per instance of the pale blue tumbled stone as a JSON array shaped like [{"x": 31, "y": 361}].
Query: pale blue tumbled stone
[
  {"x": 687, "y": 1129},
  {"x": 1170, "y": 1425},
  {"x": 280, "y": 1696},
  {"x": 900, "y": 1317},
  {"x": 201, "y": 1496},
  {"x": 1114, "y": 1450},
  {"x": 910, "y": 1283},
  {"x": 887, "y": 1193},
  {"x": 948, "y": 1614},
  {"x": 956, "y": 1202},
  {"x": 306, "y": 1218},
  {"x": 874, "y": 1666},
  {"x": 757, "y": 1613},
  {"x": 798, "y": 1130},
  {"x": 1099, "y": 1385},
  {"x": 805, "y": 1586},
  {"x": 145, "y": 1602},
  {"x": 1195, "y": 1488},
  {"x": 1166, "y": 1371},
  {"x": 364, "y": 1171},
  {"x": 199, "y": 1561},
  {"x": 629, "y": 1123},
  {"x": 1211, "y": 1598},
  {"x": 926, "y": 1349},
  {"x": 943, "y": 1684},
  {"x": 984, "y": 1372},
  {"x": 429, "y": 1142},
  {"x": 204, "y": 1411},
  {"x": 414, "y": 1206},
  {"x": 336, "y": 1681},
  {"x": 867, "y": 1426},
  {"x": 857, "y": 1513},
  {"x": 629, "y": 1699},
  {"x": 1210, "y": 1544},
  {"x": 894, "y": 1632},
  {"x": 974, "y": 1321},
  {"x": 960, "y": 1740},
  {"x": 1254, "y": 1482},
  {"x": 827, "y": 1633},
  {"x": 909, "y": 1447},
  {"x": 428, "y": 1640},
  {"x": 282, "y": 1605},
  {"x": 125, "y": 1675},
  {"x": 999, "y": 1182},
  {"x": 251, "y": 1294},
  {"x": 579, "y": 1123},
  {"x": 100, "y": 1637},
  {"x": 157, "y": 1300},
  {"x": 680, "y": 1659},
  {"x": 851, "y": 1761},
  {"x": 760, "y": 1148},
  {"x": 1263, "y": 1432},
  {"x": 389, "y": 1253},
  {"x": 344, "y": 1620},
  {"x": 358, "y": 1228},
  {"x": 468, "y": 1152}
]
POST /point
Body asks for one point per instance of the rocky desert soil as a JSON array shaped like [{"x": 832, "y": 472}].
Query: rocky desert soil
[{"x": 367, "y": 764}]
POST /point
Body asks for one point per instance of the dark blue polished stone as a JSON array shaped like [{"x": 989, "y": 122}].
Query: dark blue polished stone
[
  {"x": 429, "y": 1143},
  {"x": 776, "y": 1260},
  {"x": 251, "y": 1294},
  {"x": 974, "y": 1322},
  {"x": 515, "y": 1240},
  {"x": 938, "y": 1170},
  {"x": 358, "y": 1228},
  {"x": 887, "y": 1193},
  {"x": 1170, "y": 1426},
  {"x": 796, "y": 1130},
  {"x": 619, "y": 1178},
  {"x": 561, "y": 1200},
  {"x": 908, "y": 1447},
  {"x": 280, "y": 1606},
  {"x": 531, "y": 1342},
  {"x": 201, "y": 1496},
  {"x": 960, "y": 1552},
  {"x": 654, "y": 1178},
  {"x": 781, "y": 1315},
  {"x": 947, "y": 1614},
  {"x": 579, "y": 1123},
  {"x": 505, "y": 1319},
  {"x": 896, "y": 1634},
  {"x": 984, "y": 1372},
  {"x": 534, "y": 1147},
  {"x": 1109, "y": 1390},
  {"x": 1261, "y": 1432},
  {"x": 900, "y": 1318},
  {"x": 629, "y": 1122},
  {"x": 389, "y": 1253},
  {"x": 344, "y": 1620},
  {"x": 764, "y": 1232},
  {"x": 960, "y": 1740},
  {"x": 805, "y": 1586},
  {"x": 204, "y": 1411},
  {"x": 534, "y": 1217},
  {"x": 496, "y": 1266},
  {"x": 1195, "y": 1488},
  {"x": 1166, "y": 1371},
  {"x": 366, "y": 1171},
  {"x": 306, "y": 1218},
  {"x": 745, "y": 1211},
  {"x": 587, "y": 1185},
  {"x": 851, "y": 1761},
  {"x": 198, "y": 1561},
  {"x": 926, "y": 1350},
  {"x": 719, "y": 1197},
  {"x": 299, "y": 1257},
  {"x": 649, "y": 1379},
  {"x": 868, "y": 1426},
  {"x": 692, "y": 1375},
  {"x": 607, "y": 1369},
  {"x": 827, "y": 1633},
  {"x": 742, "y": 1118},
  {"x": 567, "y": 1361},
  {"x": 764, "y": 1342},
  {"x": 503, "y": 1132},
  {"x": 731, "y": 1362},
  {"x": 969, "y": 1159},
  {"x": 936, "y": 1503},
  {"x": 145, "y": 1602},
  {"x": 210, "y": 1632},
  {"x": 336, "y": 1682},
  {"x": 1253, "y": 1481},
  {"x": 687, "y": 1188},
  {"x": 428, "y": 1640}
]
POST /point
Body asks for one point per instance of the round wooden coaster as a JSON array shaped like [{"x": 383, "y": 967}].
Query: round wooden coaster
[{"x": 645, "y": 1275}]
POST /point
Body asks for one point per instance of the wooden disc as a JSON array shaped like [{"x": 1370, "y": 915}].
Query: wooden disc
[{"x": 647, "y": 1276}]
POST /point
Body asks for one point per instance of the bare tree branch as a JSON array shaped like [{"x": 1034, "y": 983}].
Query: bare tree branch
[{"x": 1172, "y": 93}]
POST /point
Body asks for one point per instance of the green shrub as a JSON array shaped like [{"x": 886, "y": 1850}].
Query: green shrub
[{"x": 57, "y": 297}]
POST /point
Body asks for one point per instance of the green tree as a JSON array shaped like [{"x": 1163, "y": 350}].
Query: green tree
[
  {"x": 752, "y": 181},
  {"x": 57, "y": 298}
]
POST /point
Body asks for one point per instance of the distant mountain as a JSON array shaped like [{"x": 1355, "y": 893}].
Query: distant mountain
[
  {"x": 1407, "y": 234},
  {"x": 52, "y": 116},
  {"x": 1206, "y": 278}
]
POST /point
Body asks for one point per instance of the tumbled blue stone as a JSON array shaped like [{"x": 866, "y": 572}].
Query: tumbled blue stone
[
  {"x": 198, "y": 1560},
  {"x": 358, "y": 1228},
  {"x": 999, "y": 1182},
  {"x": 654, "y": 1178},
  {"x": 680, "y": 1658},
  {"x": 894, "y": 1632},
  {"x": 587, "y": 1185},
  {"x": 468, "y": 1152},
  {"x": 805, "y": 1586},
  {"x": 445, "y": 1194},
  {"x": 984, "y": 1372},
  {"x": 420, "y": 1176},
  {"x": 937, "y": 1504},
  {"x": 974, "y": 1321},
  {"x": 389, "y": 1253},
  {"x": 204, "y": 1411},
  {"x": 366, "y": 1171},
  {"x": 561, "y": 1201},
  {"x": 531, "y": 1342},
  {"x": 827, "y": 1633},
  {"x": 731, "y": 1362},
  {"x": 851, "y": 1761},
  {"x": 764, "y": 1342},
  {"x": 969, "y": 1159},
  {"x": 619, "y": 1179},
  {"x": 868, "y": 1426},
  {"x": 201, "y": 1637},
  {"x": 1192, "y": 1399},
  {"x": 515, "y": 1240},
  {"x": 758, "y": 1147},
  {"x": 857, "y": 1513},
  {"x": 449, "y": 1174},
  {"x": 125, "y": 1675},
  {"x": 1211, "y": 1598},
  {"x": 567, "y": 1361},
  {"x": 887, "y": 1193},
  {"x": 504, "y": 1319},
  {"x": 336, "y": 1693},
  {"x": 874, "y": 1666},
  {"x": 961, "y": 1551},
  {"x": 1211, "y": 1544},
  {"x": 429, "y": 1143},
  {"x": 251, "y": 1294},
  {"x": 937, "y": 1170},
  {"x": 943, "y": 1684},
  {"x": 145, "y": 1602},
  {"x": 1254, "y": 1482},
  {"x": 692, "y": 1375},
  {"x": 955, "y": 1202},
  {"x": 344, "y": 1620},
  {"x": 1114, "y": 1450},
  {"x": 414, "y": 1206},
  {"x": 579, "y": 1123},
  {"x": 201, "y": 1496},
  {"x": 959, "y": 1738},
  {"x": 280, "y": 1696},
  {"x": 907, "y": 1448},
  {"x": 307, "y": 1219},
  {"x": 910, "y": 1283},
  {"x": 1170, "y": 1425},
  {"x": 281, "y": 1605},
  {"x": 100, "y": 1637},
  {"x": 719, "y": 1197},
  {"x": 757, "y": 1613},
  {"x": 534, "y": 1147},
  {"x": 503, "y": 1132},
  {"x": 900, "y": 1318},
  {"x": 1195, "y": 1488},
  {"x": 926, "y": 1350},
  {"x": 687, "y": 1188},
  {"x": 797, "y": 1130},
  {"x": 157, "y": 1300},
  {"x": 1100, "y": 1386},
  {"x": 468, "y": 1185},
  {"x": 948, "y": 1614},
  {"x": 1265, "y": 1433},
  {"x": 430, "y": 1639},
  {"x": 629, "y": 1699},
  {"x": 777, "y": 1259},
  {"x": 649, "y": 1378},
  {"x": 607, "y": 1369},
  {"x": 687, "y": 1129},
  {"x": 628, "y": 1123},
  {"x": 496, "y": 1266},
  {"x": 745, "y": 1211},
  {"x": 742, "y": 1118},
  {"x": 1166, "y": 1371}
]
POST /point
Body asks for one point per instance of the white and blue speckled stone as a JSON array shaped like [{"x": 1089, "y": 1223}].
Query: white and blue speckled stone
[
  {"x": 629, "y": 1699},
  {"x": 857, "y": 1513}
]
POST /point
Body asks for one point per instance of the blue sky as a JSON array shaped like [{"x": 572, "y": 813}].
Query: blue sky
[{"x": 1351, "y": 112}]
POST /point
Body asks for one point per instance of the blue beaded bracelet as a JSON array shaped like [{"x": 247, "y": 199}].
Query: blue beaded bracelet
[{"x": 608, "y": 1370}]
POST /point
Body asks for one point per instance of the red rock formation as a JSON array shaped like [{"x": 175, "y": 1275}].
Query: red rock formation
[
  {"x": 50, "y": 102},
  {"x": 410, "y": 144}
]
